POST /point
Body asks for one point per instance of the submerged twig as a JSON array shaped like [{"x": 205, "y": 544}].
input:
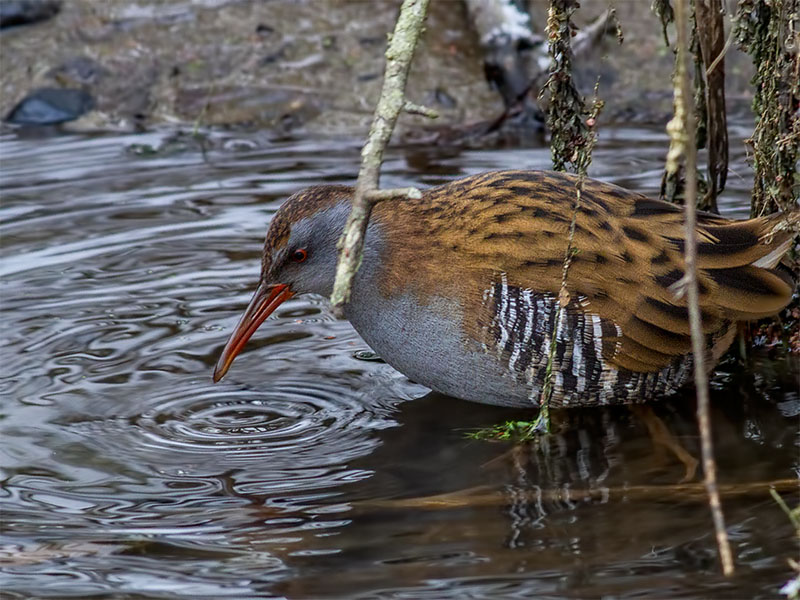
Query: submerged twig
[
  {"x": 487, "y": 496},
  {"x": 391, "y": 103},
  {"x": 682, "y": 142}
]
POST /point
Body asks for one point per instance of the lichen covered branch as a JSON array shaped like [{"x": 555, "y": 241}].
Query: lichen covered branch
[
  {"x": 391, "y": 103},
  {"x": 769, "y": 32},
  {"x": 566, "y": 114},
  {"x": 573, "y": 139}
]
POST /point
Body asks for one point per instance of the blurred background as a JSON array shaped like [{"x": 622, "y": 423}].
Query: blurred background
[{"x": 314, "y": 66}]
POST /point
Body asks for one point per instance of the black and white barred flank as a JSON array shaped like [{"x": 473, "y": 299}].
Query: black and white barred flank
[{"x": 521, "y": 331}]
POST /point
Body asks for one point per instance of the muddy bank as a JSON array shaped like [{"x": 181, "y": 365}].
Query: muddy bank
[{"x": 288, "y": 65}]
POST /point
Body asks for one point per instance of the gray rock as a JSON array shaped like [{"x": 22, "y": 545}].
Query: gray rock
[
  {"x": 24, "y": 12},
  {"x": 50, "y": 106}
]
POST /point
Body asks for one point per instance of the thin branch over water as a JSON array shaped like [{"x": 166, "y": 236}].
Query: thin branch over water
[
  {"x": 682, "y": 142},
  {"x": 391, "y": 103}
]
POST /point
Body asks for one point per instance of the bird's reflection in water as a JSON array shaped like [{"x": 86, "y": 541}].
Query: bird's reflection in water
[{"x": 599, "y": 498}]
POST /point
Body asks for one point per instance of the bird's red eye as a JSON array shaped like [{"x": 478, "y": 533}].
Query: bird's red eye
[{"x": 299, "y": 255}]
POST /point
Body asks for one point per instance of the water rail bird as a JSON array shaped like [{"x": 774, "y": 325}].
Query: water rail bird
[{"x": 459, "y": 290}]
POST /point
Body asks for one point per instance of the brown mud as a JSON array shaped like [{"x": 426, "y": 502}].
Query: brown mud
[{"x": 315, "y": 66}]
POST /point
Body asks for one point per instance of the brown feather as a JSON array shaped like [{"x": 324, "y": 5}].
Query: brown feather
[
  {"x": 628, "y": 264},
  {"x": 494, "y": 245}
]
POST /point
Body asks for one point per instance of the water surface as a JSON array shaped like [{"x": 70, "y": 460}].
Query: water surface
[{"x": 307, "y": 472}]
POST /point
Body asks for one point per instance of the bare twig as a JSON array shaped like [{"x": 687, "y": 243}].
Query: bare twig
[
  {"x": 722, "y": 54},
  {"x": 710, "y": 27},
  {"x": 586, "y": 39},
  {"x": 418, "y": 109},
  {"x": 582, "y": 161},
  {"x": 682, "y": 141},
  {"x": 391, "y": 103},
  {"x": 665, "y": 14},
  {"x": 375, "y": 196}
]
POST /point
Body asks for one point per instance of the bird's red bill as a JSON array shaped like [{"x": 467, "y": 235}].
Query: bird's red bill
[{"x": 266, "y": 299}]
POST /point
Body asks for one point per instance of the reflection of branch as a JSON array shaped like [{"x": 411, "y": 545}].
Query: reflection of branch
[
  {"x": 682, "y": 141},
  {"x": 487, "y": 496},
  {"x": 391, "y": 103}
]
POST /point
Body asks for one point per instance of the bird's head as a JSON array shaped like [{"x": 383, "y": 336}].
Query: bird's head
[{"x": 299, "y": 257}]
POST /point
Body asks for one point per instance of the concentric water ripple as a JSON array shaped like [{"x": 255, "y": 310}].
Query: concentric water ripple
[
  {"x": 127, "y": 473},
  {"x": 290, "y": 423},
  {"x": 120, "y": 286}
]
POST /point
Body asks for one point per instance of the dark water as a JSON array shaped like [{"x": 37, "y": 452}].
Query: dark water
[{"x": 309, "y": 473}]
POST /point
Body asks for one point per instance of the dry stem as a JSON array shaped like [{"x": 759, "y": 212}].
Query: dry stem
[
  {"x": 711, "y": 41},
  {"x": 391, "y": 103},
  {"x": 682, "y": 141}
]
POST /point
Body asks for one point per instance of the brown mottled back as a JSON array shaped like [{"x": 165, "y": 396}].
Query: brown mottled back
[
  {"x": 480, "y": 260},
  {"x": 459, "y": 238}
]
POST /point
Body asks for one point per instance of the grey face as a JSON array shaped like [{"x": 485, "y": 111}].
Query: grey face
[{"x": 307, "y": 263}]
